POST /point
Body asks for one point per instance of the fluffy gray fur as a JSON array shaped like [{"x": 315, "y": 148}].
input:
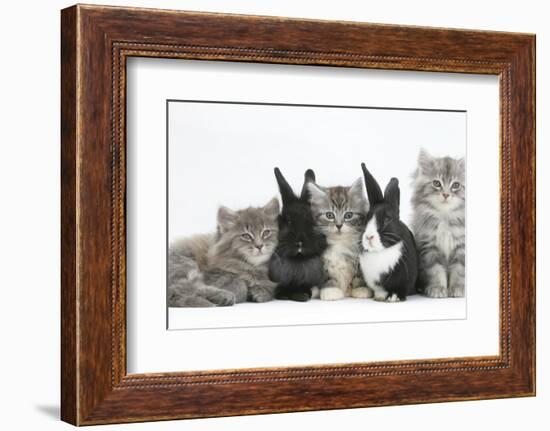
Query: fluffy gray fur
[
  {"x": 438, "y": 224},
  {"x": 340, "y": 214},
  {"x": 228, "y": 266}
]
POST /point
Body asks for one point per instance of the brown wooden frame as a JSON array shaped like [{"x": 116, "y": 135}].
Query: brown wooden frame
[{"x": 95, "y": 43}]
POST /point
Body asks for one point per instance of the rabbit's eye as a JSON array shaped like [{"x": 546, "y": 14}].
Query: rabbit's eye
[
  {"x": 455, "y": 185},
  {"x": 266, "y": 233},
  {"x": 348, "y": 216},
  {"x": 329, "y": 215},
  {"x": 436, "y": 183},
  {"x": 246, "y": 237}
]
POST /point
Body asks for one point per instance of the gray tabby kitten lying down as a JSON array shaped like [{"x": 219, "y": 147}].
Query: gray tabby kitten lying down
[
  {"x": 228, "y": 266},
  {"x": 340, "y": 214},
  {"x": 438, "y": 224}
]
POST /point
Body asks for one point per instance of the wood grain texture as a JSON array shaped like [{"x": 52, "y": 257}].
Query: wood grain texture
[
  {"x": 96, "y": 41},
  {"x": 69, "y": 367}
]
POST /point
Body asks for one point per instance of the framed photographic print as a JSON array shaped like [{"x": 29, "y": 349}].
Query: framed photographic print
[{"x": 265, "y": 215}]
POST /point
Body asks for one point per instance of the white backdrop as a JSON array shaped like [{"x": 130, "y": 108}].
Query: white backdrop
[
  {"x": 224, "y": 154},
  {"x": 151, "y": 82},
  {"x": 29, "y": 222}
]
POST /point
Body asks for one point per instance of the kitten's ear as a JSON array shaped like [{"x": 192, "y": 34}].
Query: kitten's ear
[
  {"x": 392, "y": 195},
  {"x": 227, "y": 219},
  {"x": 374, "y": 192},
  {"x": 316, "y": 193},
  {"x": 357, "y": 194},
  {"x": 462, "y": 166},
  {"x": 356, "y": 188},
  {"x": 425, "y": 161},
  {"x": 271, "y": 209},
  {"x": 287, "y": 194},
  {"x": 309, "y": 177}
]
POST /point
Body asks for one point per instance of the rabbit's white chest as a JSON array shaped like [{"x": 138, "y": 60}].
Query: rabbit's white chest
[{"x": 374, "y": 264}]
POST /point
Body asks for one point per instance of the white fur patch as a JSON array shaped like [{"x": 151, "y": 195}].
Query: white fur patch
[
  {"x": 258, "y": 259},
  {"x": 376, "y": 263},
  {"x": 393, "y": 298},
  {"x": 371, "y": 237},
  {"x": 340, "y": 262}
]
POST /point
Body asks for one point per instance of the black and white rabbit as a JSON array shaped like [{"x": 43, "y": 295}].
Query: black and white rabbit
[
  {"x": 389, "y": 260},
  {"x": 296, "y": 264}
]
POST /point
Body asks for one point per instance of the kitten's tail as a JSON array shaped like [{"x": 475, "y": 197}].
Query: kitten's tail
[{"x": 184, "y": 275}]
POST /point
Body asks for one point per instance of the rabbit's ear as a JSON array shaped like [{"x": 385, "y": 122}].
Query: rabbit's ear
[
  {"x": 272, "y": 208},
  {"x": 392, "y": 195},
  {"x": 287, "y": 194},
  {"x": 374, "y": 192},
  {"x": 227, "y": 219},
  {"x": 309, "y": 177}
]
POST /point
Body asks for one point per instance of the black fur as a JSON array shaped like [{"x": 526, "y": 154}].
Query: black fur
[
  {"x": 402, "y": 279},
  {"x": 296, "y": 265}
]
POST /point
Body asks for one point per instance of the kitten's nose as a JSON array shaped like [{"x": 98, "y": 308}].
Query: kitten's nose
[
  {"x": 299, "y": 244},
  {"x": 259, "y": 247},
  {"x": 370, "y": 238},
  {"x": 339, "y": 226},
  {"x": 445, "y": 195}
]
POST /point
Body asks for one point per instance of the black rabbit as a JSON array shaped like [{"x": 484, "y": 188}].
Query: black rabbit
[
  {"x": 296, "y": 264},
  {"x": 389, "y": 260}
]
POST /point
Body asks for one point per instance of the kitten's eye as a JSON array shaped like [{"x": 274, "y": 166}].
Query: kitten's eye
[
  {"x": 246, "y": 237},
  {"x": 266, "y": 233},
  {"x": 455, "y": 185},
  {"x": 329, "y": 215},
  {"x": 436, "y": 183},
  {"x": 348, "y": 216}
]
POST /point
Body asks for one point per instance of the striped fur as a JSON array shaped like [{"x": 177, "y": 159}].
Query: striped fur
[
  {"x": 340, "y": 214},
  {"x": 439, "y": 224},
  {"x": 228, "y": 266}
]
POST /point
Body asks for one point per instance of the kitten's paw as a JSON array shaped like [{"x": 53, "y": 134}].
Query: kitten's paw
[
  {"x": 196, "y": 301},
  {"x": 315, "y": 293},
  {"x": 393, "y": 298},
  {"x": 361, "y": 292},
  {"x": 380, "y": 295},
  {"x": 456, "y": 291},
  {"x": 436, "y": 291},
  {"x": 331, "y": 293},
  {"x": 259, "y": 294},
  {"x": 223, "y": 299}
]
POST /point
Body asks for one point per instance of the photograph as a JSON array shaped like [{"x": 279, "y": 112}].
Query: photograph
[
  {"x": 310, "y": 214},
  {"x": 275, "y": 214}
]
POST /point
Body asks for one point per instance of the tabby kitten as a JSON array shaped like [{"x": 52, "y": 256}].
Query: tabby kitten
[
  {"x": 438, "y": 224},
  {"x": 228, "y": 266},
  {"x": 340, "y": 214}
]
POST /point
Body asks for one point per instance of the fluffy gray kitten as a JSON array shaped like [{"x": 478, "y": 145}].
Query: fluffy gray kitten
[
  {"x": 228, "y": 266},
  {"x": 438, "y": 224},
  {"x": 340, "y": 214}
]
